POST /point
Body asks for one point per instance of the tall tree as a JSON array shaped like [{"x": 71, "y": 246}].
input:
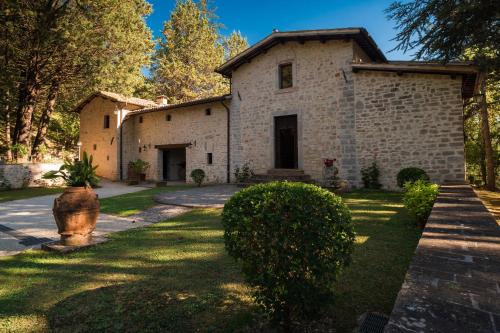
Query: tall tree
[
  {"x": 56, "y": 52},
  {"x": 447, "y": 30},
  {"x": 235, "y": 44},
  {"x": 188, "y": 54}
]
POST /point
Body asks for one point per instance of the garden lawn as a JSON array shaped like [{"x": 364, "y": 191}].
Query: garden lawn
[
  {"x": 131, "y": 203},
  {"x": 29, "y": 192},
  {"x": 176, "y": 276}
]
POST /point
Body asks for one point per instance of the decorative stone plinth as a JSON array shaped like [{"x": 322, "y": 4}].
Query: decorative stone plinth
[{"x": 59, "y": 246}]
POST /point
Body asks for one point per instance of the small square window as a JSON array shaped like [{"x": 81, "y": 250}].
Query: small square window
[
  {"x": 209, "y": 158},
  {"x": 95, "y": 146},
  {"x": 140, "y": 149},
  {"x": 208, "y": 112},
  {"x": 140, "y": 120},
  {"x": 285, "y": 76},
  {"x": 106, "y": 121},
  {"x": 169, "y": 117}
]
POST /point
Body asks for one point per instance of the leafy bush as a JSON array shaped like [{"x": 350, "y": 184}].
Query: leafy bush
[
  {"x": 76, "y": 173},
  {"x": 139, "y": 166},
  {"x": 243, "y": 174},
  {"x": 291, "y": 240},
  {"x": 198, "y": 176},
  {"x": 410, "y": 175},
  {"x": 419, "y": 199},
  {"x": 370, "y": 175}
]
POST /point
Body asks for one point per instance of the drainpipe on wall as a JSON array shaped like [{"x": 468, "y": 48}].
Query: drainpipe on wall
[{"x": 228, "y": 169}]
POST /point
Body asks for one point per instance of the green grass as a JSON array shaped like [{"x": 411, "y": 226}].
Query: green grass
[
  {"x": 176, "y": 276},
  {"x": 131, "y": 203},
  {"x": 29, "y": 192}
]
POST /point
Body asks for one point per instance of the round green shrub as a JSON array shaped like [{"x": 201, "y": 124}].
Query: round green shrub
[
  {"x": 291, "y": 240},
  {"x": 411, "y": 175},
  {"x": 198, "y": 175},
  {"x": 419, "y": 199}
]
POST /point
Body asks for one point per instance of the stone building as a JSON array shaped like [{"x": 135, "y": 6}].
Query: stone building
[{"x": 296, "y": 99}]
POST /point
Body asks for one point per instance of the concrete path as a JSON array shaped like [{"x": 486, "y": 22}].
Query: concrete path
[
  {"x": 199, "y": 197},
  {"x": 27, "y": 223}
]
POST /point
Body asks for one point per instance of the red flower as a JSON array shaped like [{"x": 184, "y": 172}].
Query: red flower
[{"x": 328, "y": 162}]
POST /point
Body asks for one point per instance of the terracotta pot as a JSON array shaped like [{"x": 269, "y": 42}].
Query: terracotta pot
[{"x": 76, "y": 212}]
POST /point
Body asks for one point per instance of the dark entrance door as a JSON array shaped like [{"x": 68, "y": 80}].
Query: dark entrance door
[
  {"x": 285, "y": 142},
  {"x": 174, "y": 164},
  {"x": 165, "y": 164}
]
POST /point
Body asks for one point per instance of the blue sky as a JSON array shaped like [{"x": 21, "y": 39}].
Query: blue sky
[{"x": 256, "y": 19}]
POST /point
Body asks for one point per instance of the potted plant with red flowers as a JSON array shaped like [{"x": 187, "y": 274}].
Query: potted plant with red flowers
[
  {"x": 331, "y": 173},
  {"x": 77, "y": 209}
]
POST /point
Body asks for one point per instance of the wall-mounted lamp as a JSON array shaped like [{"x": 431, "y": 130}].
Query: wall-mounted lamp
[{"x": 79, "y": 144}]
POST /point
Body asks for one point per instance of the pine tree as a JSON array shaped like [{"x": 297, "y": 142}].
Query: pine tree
[
  {"x": 235, "y": 44},
  {"x": 189, "y": 52}
]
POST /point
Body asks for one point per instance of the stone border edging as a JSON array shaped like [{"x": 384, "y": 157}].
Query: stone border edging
[{"x": 453, "y": 282}]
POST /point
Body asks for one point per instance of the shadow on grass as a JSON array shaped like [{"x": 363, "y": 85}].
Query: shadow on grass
[{"x": 176, "y": 276}]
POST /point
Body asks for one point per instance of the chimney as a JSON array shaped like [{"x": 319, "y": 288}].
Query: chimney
[{"x": 161, "y": 100}]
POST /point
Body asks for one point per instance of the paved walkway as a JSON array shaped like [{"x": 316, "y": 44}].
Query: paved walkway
[
  {"x": 198, "y": 197},
  {"x": 453, "y": 283},
  {"x": 27, "y": 223}
]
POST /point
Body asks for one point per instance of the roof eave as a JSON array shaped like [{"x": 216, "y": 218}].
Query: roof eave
[
  {"x": 202, "y": 101},
  {"x": 360, "y": 35},
  {"x": 468, "y": 71}
]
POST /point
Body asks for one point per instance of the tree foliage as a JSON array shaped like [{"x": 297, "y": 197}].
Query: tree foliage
[
  {"x": 235, "y": 44},
  {"x": 445, "y": 30},
  {"x": 57, "y": 52},
  {"x": 190, "y": 50}
]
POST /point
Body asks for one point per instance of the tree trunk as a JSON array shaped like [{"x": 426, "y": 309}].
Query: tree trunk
[
  {"x": 41, "y": 133},
  {"x": 8, "y": 153},
  {"x": 26, "y": 107},
  {"x": 485, "y": 132}
]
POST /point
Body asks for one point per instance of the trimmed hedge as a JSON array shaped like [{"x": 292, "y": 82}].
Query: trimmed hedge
[
  {"x": 419, "y": 199},
  {"x": 291, "y": 239},
  {"x": 411, "y": 174}
]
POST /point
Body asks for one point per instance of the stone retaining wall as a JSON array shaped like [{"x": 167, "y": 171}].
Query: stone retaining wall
[
  {"x": 453, "y": 283},
  {"x": 13, "y": 176}
]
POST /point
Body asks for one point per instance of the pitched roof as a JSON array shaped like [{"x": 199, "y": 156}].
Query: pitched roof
[
  {"x": 360, "y": 35},
  {"x": 115, "y": 97},
  {"x": 180, "y": 105},
  {"x": 467, "y": 70}
]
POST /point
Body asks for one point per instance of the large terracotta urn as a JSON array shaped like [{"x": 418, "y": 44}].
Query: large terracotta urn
[{"x": 76, "y": 212}]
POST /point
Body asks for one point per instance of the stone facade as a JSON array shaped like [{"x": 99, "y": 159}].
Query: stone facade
[
  {"x": 188, "y": 125},
  {"x": 400, "y": 119},
  {"x": 103, "y": 143},
  {"x": 410, "y": 120},
  {"x": 321, "y": 97}
]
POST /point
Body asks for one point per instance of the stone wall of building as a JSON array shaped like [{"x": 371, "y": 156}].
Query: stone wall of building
[
  {"x": 14, "y": 176},
  {"x": 205, "y": 133},
  {"x": 103, "y": 143},
  {"x": 410, "y": 120},
  {"x": 322, "y": 97}
]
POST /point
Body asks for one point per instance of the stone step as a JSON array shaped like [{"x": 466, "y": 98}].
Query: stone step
[
  {"x": 294, "y": 178},
  {"x": 286, "y": 172}
]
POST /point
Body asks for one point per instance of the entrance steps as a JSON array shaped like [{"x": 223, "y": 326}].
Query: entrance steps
[{"x": 291, "y": 175}]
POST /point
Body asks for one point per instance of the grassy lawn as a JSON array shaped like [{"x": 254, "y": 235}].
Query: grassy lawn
[
  {"x": 131, "y": 203},
  {"x": 176, "y": 276},
  {"x": 29, "y": 192}
]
